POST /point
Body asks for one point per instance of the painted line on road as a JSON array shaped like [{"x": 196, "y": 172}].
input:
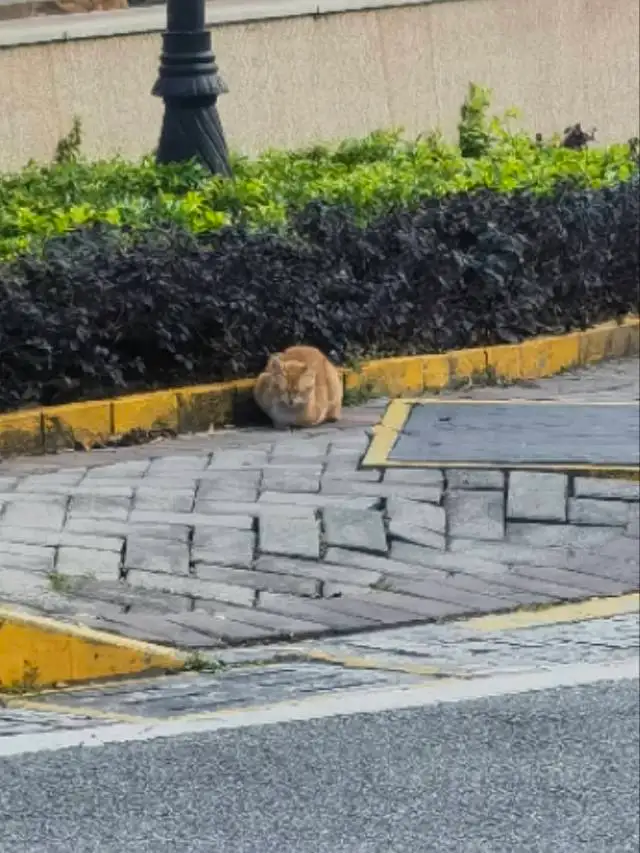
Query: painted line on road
[
  {"x": 373, "y": 701},
  {"x": 582, "y": 611}
]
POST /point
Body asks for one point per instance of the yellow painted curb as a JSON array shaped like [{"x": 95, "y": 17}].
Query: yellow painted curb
[
  {"x": 203, "y": 407},
  {"x": 38, "y": 652}
]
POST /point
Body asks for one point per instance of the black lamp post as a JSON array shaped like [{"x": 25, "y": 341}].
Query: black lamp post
[{"x": 189, "y": 84}]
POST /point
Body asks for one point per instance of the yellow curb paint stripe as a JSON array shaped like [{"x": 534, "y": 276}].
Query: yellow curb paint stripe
[
  {"x": 594, "y": 608},
  {"x": 357, "y": 662},
  {"x": 37, "y": 651},
  {"x": 385, "y": 433},
  {"x": 183, "y": 409}
]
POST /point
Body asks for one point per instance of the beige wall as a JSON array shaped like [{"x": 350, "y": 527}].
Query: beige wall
[{"x": 298, "y": 79}]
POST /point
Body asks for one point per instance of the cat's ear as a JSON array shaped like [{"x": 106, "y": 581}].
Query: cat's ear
[{"x": 274, "y": 365}]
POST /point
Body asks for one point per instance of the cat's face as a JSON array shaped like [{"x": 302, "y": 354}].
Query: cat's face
[{"x": 293, "y": 382}]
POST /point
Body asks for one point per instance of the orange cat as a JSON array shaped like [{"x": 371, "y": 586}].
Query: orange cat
[{"x": 299, "y": 387}]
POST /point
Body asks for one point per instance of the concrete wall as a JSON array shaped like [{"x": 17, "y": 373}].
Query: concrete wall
[{"x": 296, "y": 77}]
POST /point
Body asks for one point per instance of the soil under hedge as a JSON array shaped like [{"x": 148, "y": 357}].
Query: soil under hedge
[{"x": 92, "y": 317}]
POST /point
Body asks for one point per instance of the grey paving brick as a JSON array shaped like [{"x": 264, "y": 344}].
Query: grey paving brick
[
  {"x": 120, "y": 529},
  {"x": 407, "y": 607},
  {"x": 218, "y": 627},
  {"x": 297, "y": 537},
  {"x": 618, "y": 558},
  {"x": 18, "y": 585},
  {"x": 120, "y": 594},
  {"x": 32, "y": 557},
  {"x": 56, "y": 481},
  {"x": 259, "y": 580},
  {"x": 347, "y": 461},
  {"x": 44, "y": 515},
  {"x": 593, "y": 511},
  {"x": 236, "y": 460},
  {"x": 371, "y": 608},
  {"x": 102, "y": 490},
  {"x": 474, "y": 479},
  {"x": 588, "y": 584},
  {"x": 274, "y": 623},
  {"x": 302, "y": 449},
  {"x": 131, "y": 469},
  {"x": 508, "y": 552},
  {"x": 103, "y": 565},
  {"x": 597, "y": 487},
  {"x": 432, "y": 477},
  {"x": 313, "y": 610},
  {"x": 407, "y": 532},
  {"x": 156, "y": 555},
  {"x": 346, "y": 487},
  {"x": 99, "y": 507},
  {"x": 8, "y": 484},
  {"x": 291, "y": 481},
  {"x": 541, "y": 587},
  {"x": 349, "y": 443},
  {"x": 351, "y": 528},
  {"x": 52, "y": 538},
  {"x": 319, "y": 571},
  {"x": 186, "y": 462},
  {"x": 160, "y": 628},
  {"x": 475, "y": 514},
  {"x": 440, "y": 588},
  {"x": 537, "y": 496},
  {"x": 194, "y": 587},
  {"x": 317, "y": 501},
  {"x": 418, "y": 514},
  {"x": 223, "y": 547},
  {"x": 559, "y": 535},
  {"x": 170, "y": 500},
  {"x": 231, "y": 485},
  {"x": 29, "y": 498},
  {"x": 410, "y": 560},
  {"x": 347, "y": 472}
]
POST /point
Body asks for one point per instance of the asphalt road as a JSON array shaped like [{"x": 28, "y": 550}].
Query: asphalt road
[{"x": 554, "y": 771}]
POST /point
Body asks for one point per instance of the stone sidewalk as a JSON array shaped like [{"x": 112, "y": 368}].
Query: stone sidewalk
[{"x": 257, "y": 535}]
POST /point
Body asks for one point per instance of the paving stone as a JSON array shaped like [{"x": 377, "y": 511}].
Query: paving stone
[
  {"x": 281, "y": 480},
  {"x": 475, "y": 514},
  {"x": 29, "y": 498},
  {"x": 51, "y": 538},
  {"x": 223, "y": 547},
  {"x": 102, "y": 490},
  {"x": 194, "y": 587},
  {"x": 318, "y": 501},
  {"x": 184, "y": 462},
  {"x": 410, "y": 560},
  {"x": 8, "y": 484},
  {"x": 351, "y": 528},
  {"x": 99, "y": 507},
  {"x": 537, "y": 496},
  {"x": 171, "y": 500},
  {"x": 414, "y": 476},
  {"x": 120, "y": 594},
  {"x": 156, "y": 556},
  {"x": 347, "y": 472},
  {"x": 598, "y": 512},
  {"x": 292, "y": 537},
  {"x": 407, "y": 532},
  {"x": 18, "y": 585},
  {"x": 440, "y": 588},
  {"x": 596, "y": 487},
  {"x": 132, "y": 469},
  {"x": 159, "y": 628},
  {"x": 319, "y": 571},
  {"x": 32, "y": 557},
  {"x": 46, "y": 516},
  {"x": 331, "y": 486},
  {"x": 406, "y": 607},
  {"x": 474, "y": 479},
  {"x": 508, "y": 552},
  {"x": 58, "y": 480},
  {"x": 341, "y": 463},
  {"x": 411, "y": 520},
  {"x": 314, "y": 610},
  {"x": 618, "y": 558},
  {"x": 231, "y": 485},
  {"x": 236, "y": 460},
  {"x": 559, "y": 535},
  {"x": 300, "y": 449},
  {"x": 357, "y": 442},
  {"x": 221, "y": 628},
  {"x": 255, "y": 580},
  {"x": 274, "y": 623},
  {"x": 588, "y": 584},
  {"x": 103, "y": 565},
  {"x": 120, "y": 529},
  {"x": 220, "y": 514},
  {"x": 545, "y": 588},
  {"x": 373, "y": 610}
]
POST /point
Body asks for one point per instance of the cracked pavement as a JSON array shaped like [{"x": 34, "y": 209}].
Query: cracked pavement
[{"x": 257, "y": 536}]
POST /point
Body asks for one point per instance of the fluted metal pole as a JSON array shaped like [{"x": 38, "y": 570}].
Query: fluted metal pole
[{"x": 189, "y": 84}]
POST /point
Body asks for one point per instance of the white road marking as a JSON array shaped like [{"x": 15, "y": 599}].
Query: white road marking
[{"x": 328, "y": 705}]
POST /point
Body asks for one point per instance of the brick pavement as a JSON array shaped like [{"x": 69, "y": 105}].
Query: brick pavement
[{"x": 258, "y": 535}]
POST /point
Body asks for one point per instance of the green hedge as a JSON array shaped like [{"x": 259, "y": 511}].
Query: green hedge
[{"x": 372, "y": 176}]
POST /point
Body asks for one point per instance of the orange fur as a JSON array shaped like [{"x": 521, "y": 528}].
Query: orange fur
[{"x": 300, "y": 387}]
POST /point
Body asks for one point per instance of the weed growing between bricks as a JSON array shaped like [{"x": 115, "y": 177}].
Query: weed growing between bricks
[{"x": 93, "y": 316}]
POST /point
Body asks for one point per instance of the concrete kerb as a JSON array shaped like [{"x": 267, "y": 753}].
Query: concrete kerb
[
  {"x": 203, "y": 407},
  {"x": 36, "y": 652}
]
